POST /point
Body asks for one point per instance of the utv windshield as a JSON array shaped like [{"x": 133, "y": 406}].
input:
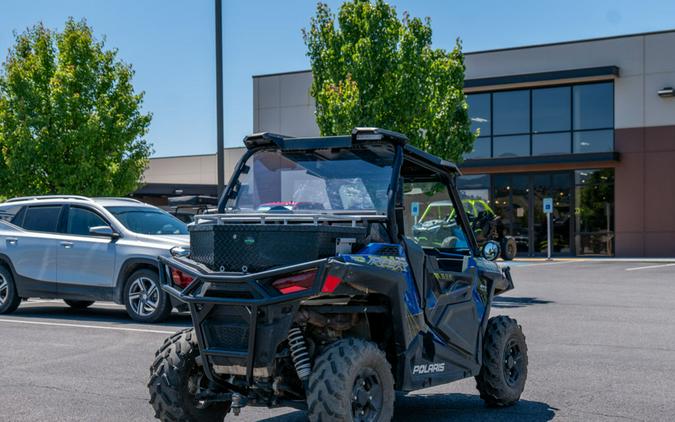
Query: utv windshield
[{"x": 321, "y": 180}]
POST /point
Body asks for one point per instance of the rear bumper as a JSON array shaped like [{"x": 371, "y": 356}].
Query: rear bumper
[{"x": 238, "y": 319}]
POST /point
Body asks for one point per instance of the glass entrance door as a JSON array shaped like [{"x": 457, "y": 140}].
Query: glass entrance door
[{"x": 518, "y": 200}]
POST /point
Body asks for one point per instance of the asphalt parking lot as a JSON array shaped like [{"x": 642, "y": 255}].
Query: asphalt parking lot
[{"x": 600, "y": 337}]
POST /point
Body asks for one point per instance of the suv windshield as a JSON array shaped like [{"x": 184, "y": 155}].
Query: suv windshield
[
  {"x": 354, "y": 179},
  {"x": 146, "y": 220}
]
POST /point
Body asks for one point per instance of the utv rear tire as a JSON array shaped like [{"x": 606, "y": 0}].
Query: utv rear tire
[
  {"x": 79, "y": 304},
  {"x": 509, "y": 248},
  {"x": 347, "y": 369},
  {"x": 502, "y": 377},
  {"x": 146, "y": 282},
  {"x": 9, "y": 298},
  {"x": 174, "y": 376}
]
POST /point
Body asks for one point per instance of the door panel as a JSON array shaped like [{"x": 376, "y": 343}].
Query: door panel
[
  {"x": 34, "y": 260},
  {"x": 450, "y": 308},
  {"x": 84, "y": 259}
]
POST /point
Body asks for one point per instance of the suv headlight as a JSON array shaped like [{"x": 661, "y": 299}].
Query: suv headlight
[{"x": 180, "y": 251}]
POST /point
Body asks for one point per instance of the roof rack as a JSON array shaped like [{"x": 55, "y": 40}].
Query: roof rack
[
  {"x": 44, "y": 197},
  {"x": 121, "y": 198},
  {"x": 358, "y": 135}
]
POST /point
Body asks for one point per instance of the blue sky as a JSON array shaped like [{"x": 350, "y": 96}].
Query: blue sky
[{"x": 170, "y": 43}]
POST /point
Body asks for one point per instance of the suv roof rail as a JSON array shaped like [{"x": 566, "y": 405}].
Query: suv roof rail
[
  {"x": 42, "y": 197},
  {"x": 119, "y": 198}
]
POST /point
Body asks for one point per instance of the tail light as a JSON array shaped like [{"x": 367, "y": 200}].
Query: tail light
[
  {"x": 304, "y": 281},
  {"x": 295, "y": 283},
  {"x": 180, "y": 279}
]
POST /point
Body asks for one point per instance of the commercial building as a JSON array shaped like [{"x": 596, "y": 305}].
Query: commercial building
[{"x": 589, "y": 123}]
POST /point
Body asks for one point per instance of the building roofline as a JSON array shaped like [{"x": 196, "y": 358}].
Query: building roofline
[
  {"x": 584, "y": 40},
  {"x": 193, "y": 155},
  {"x": 291, "y": 72},
  {"x": 522, "y": 47}
]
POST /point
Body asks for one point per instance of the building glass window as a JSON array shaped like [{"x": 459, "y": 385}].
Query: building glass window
[
  {"x": 564, "y": 119},
  {"x": 551, "y": 143},
  {"x": 511, "y": 146},
  {"x": 481, "y": 149},
  {"x": 593, "y": 141},
  {"x": 511, "y": 112},
  {"x": 479, "y": 113},
  {"x": 474, "y": 186},
  {"x": 551, "y": 110},
  {"x": 594, "y": 213},
  {"x": 593, "y": 106}
]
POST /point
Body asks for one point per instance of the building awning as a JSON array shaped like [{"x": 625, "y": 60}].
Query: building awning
[
  {"x": 541, "y": 163},
  {"x": 542, "y": 78}
]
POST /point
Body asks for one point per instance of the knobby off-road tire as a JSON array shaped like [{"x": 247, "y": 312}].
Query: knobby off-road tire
[
  {"x": 509, "y": 248},
  {"x": 174, "y": 380},
  {"x": 351, "y": 376},
  {"x": 9, "y": 298},
  {"x": 79, "y": 304},
  {"x": 502, "y": 377}
]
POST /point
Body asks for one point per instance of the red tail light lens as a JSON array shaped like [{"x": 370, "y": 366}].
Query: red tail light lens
[
  {"x": 295, "y": 283},
  {"x": 331, "y": 283},
  {"x": 180, "y": 279}
]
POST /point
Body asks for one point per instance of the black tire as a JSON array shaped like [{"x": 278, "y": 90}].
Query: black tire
[
  {"x": 79, "y": 304},
  {"x": 9, "y": 298},
  {"x": 173, "y": 377},
  {"x": 502, "y": 377},
  {"x": 509, "y": 248},
  {"x": 346, "y": 369},
  {"x": 156, "y": 307}
]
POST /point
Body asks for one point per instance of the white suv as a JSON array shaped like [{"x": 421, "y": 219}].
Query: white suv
[{"x": 86, "y": 249}]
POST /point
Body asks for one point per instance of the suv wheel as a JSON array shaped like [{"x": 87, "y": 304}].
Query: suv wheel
[
  {"x": 351, "y": 381},
  {"x": 144, "y": 298},
  {"x": 502, "y": 377},
  {"x": 9, "y": 299}
]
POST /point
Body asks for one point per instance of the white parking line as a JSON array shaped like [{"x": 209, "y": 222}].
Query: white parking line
[
  {"x": 100, "y": 327},
  {"x": 649, "y": 266}
]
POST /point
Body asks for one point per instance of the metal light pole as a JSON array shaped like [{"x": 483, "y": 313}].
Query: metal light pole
[{"x": 220, "y": 154}]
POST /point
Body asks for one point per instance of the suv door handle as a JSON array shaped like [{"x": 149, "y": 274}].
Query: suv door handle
[
  {"x": 11, "y": 240},
  {"x": 67, "y": 244}
]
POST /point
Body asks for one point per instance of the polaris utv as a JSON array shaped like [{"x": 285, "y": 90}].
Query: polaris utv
[{"x": 334, "y": 308}]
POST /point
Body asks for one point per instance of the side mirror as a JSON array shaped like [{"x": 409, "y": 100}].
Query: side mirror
[
  {"x": 103, "y": 231},
  {"x": 491, "y": 250}
]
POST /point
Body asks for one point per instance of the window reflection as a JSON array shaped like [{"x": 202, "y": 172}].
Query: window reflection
[{"x": 594, "y": 214}]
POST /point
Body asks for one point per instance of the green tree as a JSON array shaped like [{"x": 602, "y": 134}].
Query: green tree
[
  {"x": 372, "y": 69},
  {"x": 70, "y": 121}
]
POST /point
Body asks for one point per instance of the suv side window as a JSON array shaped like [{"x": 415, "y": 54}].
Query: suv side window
[
  {"x": 80, "y": 220},
  {"x": 436, "y": 225},
  {"x": 8, "y": 212},
  {"x": 42, "y": 218}
]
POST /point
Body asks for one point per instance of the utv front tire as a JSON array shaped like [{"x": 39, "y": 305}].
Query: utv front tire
[
  {"x": 174, "y": 380},
  {"x": 351, "y": 381},
  {"x": 79, "y": 304},
  {"x": 502, "y": 377},
  {"x": 9, "y": 298},
  {"x": 509, "y": 248}
]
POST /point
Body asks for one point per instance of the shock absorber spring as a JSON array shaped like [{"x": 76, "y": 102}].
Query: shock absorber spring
[{"x": 299, "y": 353}]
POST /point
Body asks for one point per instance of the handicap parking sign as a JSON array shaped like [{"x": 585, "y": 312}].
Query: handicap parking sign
[
  {"x": 415, "y": 209},
  {"x": 548, "y": 205}
]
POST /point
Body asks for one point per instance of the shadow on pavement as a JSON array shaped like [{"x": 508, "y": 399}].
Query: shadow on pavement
[
  {"x": 452, "y": 408},
  {"x": 517, "y": 302},
  {"x": 56, "y": 311}
]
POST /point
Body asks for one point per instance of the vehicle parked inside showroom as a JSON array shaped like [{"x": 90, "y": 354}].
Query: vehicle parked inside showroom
[
  {"x": 83, "y": 249},
  {"x": 332, "y": 309},
  {"x": 437, "y": 225}
]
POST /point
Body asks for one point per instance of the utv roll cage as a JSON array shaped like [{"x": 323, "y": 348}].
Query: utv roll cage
[{"x": 359, "y": 136}]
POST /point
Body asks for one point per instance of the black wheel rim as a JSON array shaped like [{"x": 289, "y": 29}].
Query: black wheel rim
[
  {"x": 367, "y": 396},
  {"x": 513, "y": 362}
]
